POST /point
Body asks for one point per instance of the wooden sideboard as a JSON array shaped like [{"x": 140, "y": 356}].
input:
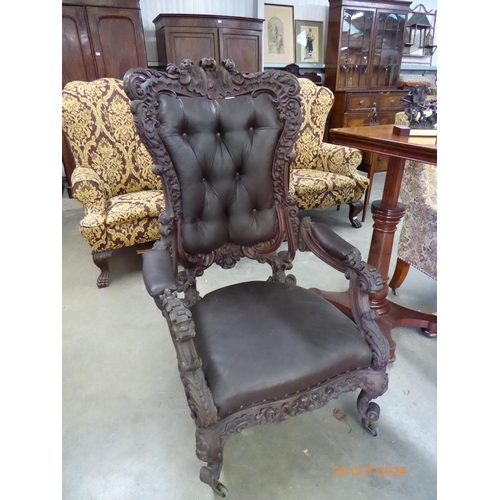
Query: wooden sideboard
[
  {"x": 180, "y": 36},
  {"x": 100, "y": 38},
  {"x": 358, "y": 109}
]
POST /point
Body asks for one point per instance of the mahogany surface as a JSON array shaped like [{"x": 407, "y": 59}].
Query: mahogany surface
[{"x": 386, "y": 214}]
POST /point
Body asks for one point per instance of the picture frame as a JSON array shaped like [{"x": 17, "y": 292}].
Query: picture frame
[
  {"x": 309, "y": 42},
  {"x": 279, "y": 35}
]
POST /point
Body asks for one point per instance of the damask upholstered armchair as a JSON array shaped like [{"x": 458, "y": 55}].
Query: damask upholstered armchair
[
  {"x": 417, "y": 245},
  {"x": 254, "y": 352},
  {"x": 324, "y": 174},
  {"x": 113, "y": 179}
]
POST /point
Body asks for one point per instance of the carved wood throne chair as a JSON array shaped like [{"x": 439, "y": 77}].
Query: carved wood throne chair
[{"x": 258, "y": 351}]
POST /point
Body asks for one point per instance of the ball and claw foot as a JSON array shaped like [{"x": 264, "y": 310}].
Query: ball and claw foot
[
  {"x": 355, "y": 223},
  {"x": 103, "y": 280},
  {"x": 354, "y": 210}
]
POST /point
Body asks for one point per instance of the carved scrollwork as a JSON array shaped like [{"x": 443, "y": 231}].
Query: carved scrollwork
[
  {"x": 373, "y": 383},
  {"x": 182, "y": 329}
]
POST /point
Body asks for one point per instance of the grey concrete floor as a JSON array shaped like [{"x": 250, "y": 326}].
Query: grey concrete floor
[{"x": 127, "y": 430}]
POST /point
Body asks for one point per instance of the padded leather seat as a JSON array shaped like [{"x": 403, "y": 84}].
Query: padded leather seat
[{"x": 299, "y": 341}]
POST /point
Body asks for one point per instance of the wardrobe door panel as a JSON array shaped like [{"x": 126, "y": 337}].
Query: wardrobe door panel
[
  {"x": 77, "y": 60},
  {"x": 243, "y": 47},
  {"x": 118, "y": 41}
]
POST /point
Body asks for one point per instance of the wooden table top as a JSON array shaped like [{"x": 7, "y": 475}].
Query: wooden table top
[{"x": 380, "y": 139}]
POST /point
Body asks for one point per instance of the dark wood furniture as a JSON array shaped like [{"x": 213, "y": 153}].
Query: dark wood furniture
[
  {"x": 294, "y": 69},
  {"x": 254, "y": 352},
  {"x": 363, "y": 60},
  {"x": 180, "y": 36},
  {"x": 100, "y": 38},
  {"x": 387, "y": 213}
]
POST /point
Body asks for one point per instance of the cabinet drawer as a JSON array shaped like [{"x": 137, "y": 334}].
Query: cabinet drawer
[
  {"x": 360, "y": 101},
  {"x": 356, "y": 119},
  {"x": 390, "y": 101},
  {"x": 380, "y": 162}
]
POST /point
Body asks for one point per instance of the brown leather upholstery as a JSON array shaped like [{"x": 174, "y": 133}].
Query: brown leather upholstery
[
  {"x": 275, "y": 339},
  {"x": 223, "y": 152}
]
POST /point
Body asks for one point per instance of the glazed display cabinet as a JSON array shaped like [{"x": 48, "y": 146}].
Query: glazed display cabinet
[
  {"x": 363, "y": 60},
  {"x": 365, "y": 44}
]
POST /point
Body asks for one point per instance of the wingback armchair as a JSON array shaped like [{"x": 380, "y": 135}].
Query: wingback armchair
[
  {"x": 417, "y": 245},
  {"x": 324, "y": 174},
  {"x": 260, "y": 351},
  {"x": 121, "y": 196}
]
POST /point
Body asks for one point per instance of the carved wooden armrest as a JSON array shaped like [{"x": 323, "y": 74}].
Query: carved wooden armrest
[
  {"x": 160, "y": 280},
  {"x": 364, "y": 280},
  {"x": 326, "y": 244},
  {"x": 158, "y": 272}
]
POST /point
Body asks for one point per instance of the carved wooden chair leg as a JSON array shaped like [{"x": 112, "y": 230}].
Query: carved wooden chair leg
[
  {"x": 399, "y": 275},
  {"x": 209, "y": 448},
  {"x": 369, "y": 410},
  {"x": 354, "y": 209},
  {"x": 101, "y": 260}
]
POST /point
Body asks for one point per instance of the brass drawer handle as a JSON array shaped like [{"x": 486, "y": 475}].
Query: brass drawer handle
[{"x": 362, "y": 101}]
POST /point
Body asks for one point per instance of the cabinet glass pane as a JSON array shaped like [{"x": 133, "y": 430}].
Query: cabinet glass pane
[
  {"x": 355, "y": 48},
  {"x": 388, "y": 48}
]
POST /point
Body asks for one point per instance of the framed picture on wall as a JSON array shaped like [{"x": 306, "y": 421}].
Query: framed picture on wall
[
  {"x": 309, "y": 42},
  {"x": 279, "y": 39}
]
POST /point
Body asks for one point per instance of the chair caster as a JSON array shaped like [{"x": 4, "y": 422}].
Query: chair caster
[
  {"x": 211, "y": 477},
  {"x": 220, "y": 490},
  {"x": 372, "y": 429}
]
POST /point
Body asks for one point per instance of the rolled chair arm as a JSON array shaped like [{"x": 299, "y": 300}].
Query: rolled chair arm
[
  {"x": 338, "y": 159},
  {"x": 158, "y": 272},
  {"x": 326, "y": 244},
  {"x": 88, "y": 188},
  {"x": 159, "y": 278}
]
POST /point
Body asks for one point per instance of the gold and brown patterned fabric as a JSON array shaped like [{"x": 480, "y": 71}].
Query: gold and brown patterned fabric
[
  {"x": 418, "y": 237},
  {"x": 113, "y": 178},
  {"x": 322, "y": 174}
]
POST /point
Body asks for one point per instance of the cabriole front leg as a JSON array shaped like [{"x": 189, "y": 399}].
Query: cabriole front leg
[
  {"x": 369, "y": 410},
  {"x": 209, "y": 448},
  {"x": 101, "y": 260},
  {"x": 354, "y": 210}
]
